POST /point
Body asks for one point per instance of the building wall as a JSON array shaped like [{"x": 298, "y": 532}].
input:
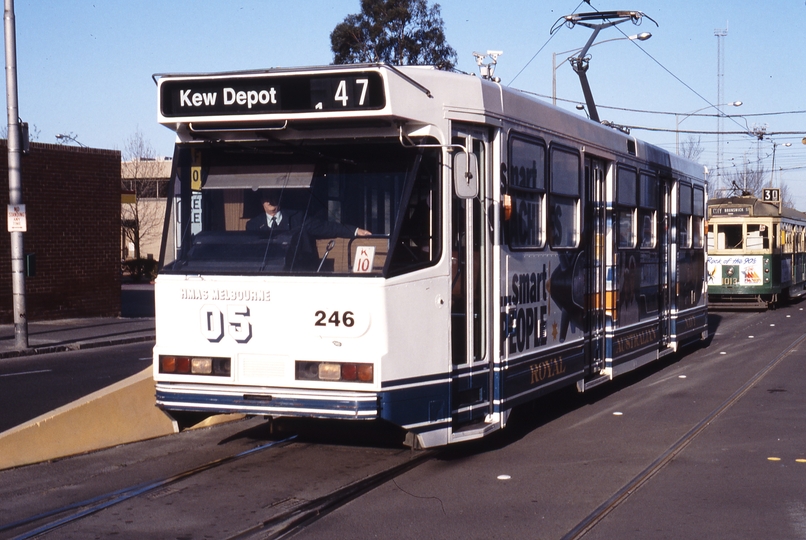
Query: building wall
[
  {"x": 146, "y": 181},
  {"x": 72, "y": 202}
]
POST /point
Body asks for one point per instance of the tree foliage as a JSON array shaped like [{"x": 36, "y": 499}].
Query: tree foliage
[
  {"x": 752, "y": 182},
  {"x": 397, "y": 32},
  {"x": 691, "y": 148}
]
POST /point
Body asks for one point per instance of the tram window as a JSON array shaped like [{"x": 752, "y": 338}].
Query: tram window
[
  {"x": 729, "y": 236},
  {"x": 627, "y": 194},
  {"x": 626, "y": 236},
  {"x": 564, "y": 212},
  {"x": 647, "y": 212},
  {"x": 647, "y": 227},
  {"x": 564, "y": 202},
  {"x": 685, "y": 199},
  {"x": 757, "y": 236},
  {"x": 627, "y": 201},
  {"x": 527, "y": 188},
  {"x": 331, "y": 191},
  {"x": 684, "y": 226},
  {"x": 698, "y": 211}
]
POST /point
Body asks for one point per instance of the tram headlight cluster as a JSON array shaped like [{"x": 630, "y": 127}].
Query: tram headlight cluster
[
  {"x": 195, "y": 365},
  {"x": 334, "y": 371}
]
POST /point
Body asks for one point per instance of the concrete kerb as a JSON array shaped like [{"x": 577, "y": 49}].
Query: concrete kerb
[
  {"x": 121, "y": 413},
  {"x": 45, "y": 349}
]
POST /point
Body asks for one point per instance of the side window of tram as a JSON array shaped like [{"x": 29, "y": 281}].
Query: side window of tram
[
  {"x": 564, "y": 199},
  {"x": 684, "y": 216},
  {"x": 647, "y": 211},
  {"x": 626, "y": 203},
  {"x": 527, "y": 190},
  {"x": 697, "y": 218}
]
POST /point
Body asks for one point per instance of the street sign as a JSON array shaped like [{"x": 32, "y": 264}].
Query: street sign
[{"x": 16, "y": 218}]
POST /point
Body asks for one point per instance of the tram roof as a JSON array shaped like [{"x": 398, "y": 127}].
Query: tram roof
[
  {"x": 754, "y": 206},
  {"x": 429, "y": 94}
]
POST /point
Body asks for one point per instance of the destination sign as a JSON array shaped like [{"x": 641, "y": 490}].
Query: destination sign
[
  {"x": 271, "y": 94},
  {"x": 729, "y": 211}
]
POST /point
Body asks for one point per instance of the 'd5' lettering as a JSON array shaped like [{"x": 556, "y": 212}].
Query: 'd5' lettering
[
  {"x": 237, "y": 325},
  {"x": 335, "y": 318}
]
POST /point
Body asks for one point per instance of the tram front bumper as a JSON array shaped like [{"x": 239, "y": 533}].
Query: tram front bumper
[{"x": 267, "y": 401}]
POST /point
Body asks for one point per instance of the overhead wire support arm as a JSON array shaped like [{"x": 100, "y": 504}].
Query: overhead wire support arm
[{"x": 581, "y": 62}]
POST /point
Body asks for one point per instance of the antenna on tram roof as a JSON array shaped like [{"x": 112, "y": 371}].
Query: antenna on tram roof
[{"x": 488, "y": 70}]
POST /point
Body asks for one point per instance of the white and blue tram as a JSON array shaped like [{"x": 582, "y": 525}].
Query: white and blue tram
[{"x": 515, "y": 248}]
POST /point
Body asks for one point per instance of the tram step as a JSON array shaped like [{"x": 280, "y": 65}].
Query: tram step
[{"x": 587, "y": 384}]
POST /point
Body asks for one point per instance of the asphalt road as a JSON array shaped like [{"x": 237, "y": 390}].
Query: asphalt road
[
  {"x": 706, "y": 444},
  {"x": 34, "y": 385}
]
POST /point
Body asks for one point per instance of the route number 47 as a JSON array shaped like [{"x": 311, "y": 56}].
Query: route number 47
[{"x": 343, "y": 95}]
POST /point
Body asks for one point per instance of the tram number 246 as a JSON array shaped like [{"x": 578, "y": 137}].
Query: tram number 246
[
  {"x": 236, "y": 324},
  {"x": 335, "y": 318}
]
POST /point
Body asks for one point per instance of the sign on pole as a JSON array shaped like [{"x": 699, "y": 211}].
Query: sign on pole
[{"x": 16, "y": 218}]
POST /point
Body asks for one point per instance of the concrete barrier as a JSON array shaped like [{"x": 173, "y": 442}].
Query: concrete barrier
[{"x": 119, "y": 414}]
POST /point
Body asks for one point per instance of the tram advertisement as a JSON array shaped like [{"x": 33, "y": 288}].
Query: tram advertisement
[
  {"x": 543, "y": 319},
  {"x": 735, "y": 270}
]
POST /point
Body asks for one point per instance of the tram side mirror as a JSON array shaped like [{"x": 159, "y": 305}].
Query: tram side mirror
[{"x": 465, "y": 175}]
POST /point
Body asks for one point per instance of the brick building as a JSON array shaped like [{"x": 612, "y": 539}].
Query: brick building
[{"x": 72, "y": 202}]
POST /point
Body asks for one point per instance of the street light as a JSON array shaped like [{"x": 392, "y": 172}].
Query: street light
[
  {"x": 643, "y": 36},
  {"x": 64, "y": 138},
  {"x": 772, "y": 172},
  {"x": 677, "y": 121}
]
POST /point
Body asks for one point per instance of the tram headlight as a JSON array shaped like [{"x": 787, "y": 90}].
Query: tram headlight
[
  {"x": 334, "y": 371},
  {"x": 329, "y": 372},
  {"x": 201, "y": 366},
  {"x": 195, "y": 365}
]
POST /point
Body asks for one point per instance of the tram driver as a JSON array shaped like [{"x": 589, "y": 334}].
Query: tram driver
[{"x": 302, "y": 227}]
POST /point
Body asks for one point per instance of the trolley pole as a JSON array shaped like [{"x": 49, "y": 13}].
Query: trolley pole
[{"x": 15, "y": 178}]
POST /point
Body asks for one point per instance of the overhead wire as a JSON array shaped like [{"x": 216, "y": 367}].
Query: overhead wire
[{"x": 551, "y": 36}]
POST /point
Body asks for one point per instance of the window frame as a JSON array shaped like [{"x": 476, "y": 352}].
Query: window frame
[
  {"x": 524, "y": 194},
  {"x": 559, "y": 197}
]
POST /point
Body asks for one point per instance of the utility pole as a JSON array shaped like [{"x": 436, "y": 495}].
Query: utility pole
[
  {"x": 720, "y": 87},
  {"x": 15, "y": 179}
]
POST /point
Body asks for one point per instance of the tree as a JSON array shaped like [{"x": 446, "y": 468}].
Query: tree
[
  {"x": 748, "y": 181},
  {"x": 144, "y": 180},
  {"x": 397, "y": 32},
  {"x": 691, "y": 148}
]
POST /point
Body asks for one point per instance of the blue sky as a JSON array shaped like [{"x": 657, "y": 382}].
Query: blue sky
[{"x": 85, "y": 66}]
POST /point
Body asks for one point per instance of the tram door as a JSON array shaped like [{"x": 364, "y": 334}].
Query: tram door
[
  {"x": 470, "y": 270},
  {"x": 594, "y": 244},
  {"x": 665, "y": 230}
]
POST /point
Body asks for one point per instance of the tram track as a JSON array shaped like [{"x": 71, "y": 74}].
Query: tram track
[
  {"x": 83, "y": 509},
  {"x": 283, "y": 515},
  {"x": 631, "y": 487},
  {"x": 295, "y": 519}
]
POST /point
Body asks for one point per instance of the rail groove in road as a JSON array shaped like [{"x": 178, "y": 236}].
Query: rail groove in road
[
  {"x": 644, "y": 476},
  {"x": 290, "y": 522},
  {"x": 101, "y": 502}
]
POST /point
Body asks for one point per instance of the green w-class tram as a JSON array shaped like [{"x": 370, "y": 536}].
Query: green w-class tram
[
  {"x": 449, "y": 248},
  {"x": 756, "y": 252}
]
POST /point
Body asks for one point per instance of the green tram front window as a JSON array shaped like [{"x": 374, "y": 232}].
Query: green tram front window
[
  {"x": 740, "y": 237},
  {"x": 363, "y": 208}
]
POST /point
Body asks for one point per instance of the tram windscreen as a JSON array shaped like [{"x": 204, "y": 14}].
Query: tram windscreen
[{"x": 363, "y": 208}]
